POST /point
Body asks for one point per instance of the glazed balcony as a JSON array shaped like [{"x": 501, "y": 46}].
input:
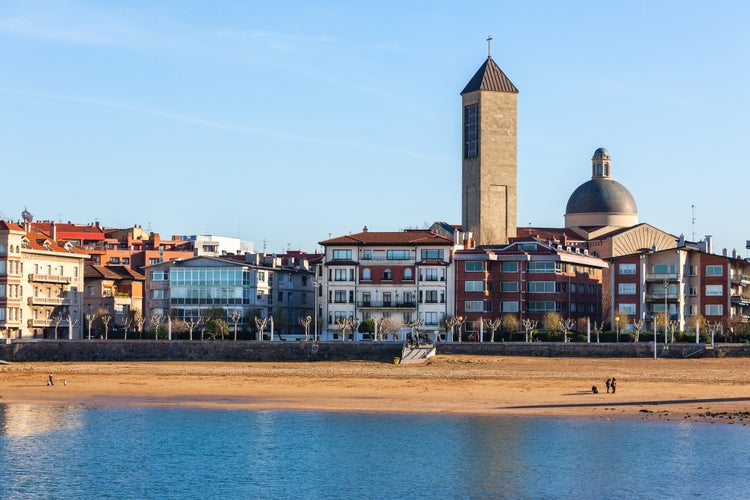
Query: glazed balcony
[
  {"x": 48, "y": 278},
  {"x": 661, "y": 277}
]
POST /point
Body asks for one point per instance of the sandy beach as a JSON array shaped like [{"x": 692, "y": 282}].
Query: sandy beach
[{"x": 710, "y": 390}]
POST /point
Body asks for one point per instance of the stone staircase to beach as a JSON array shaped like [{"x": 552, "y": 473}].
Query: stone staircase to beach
[{"x": 417, "y": 354}]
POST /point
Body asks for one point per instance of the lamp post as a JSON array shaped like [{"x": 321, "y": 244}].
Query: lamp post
[
  {"x": 617, "y": 325},
  {"x": 666, "y": 311},
  {"x": 315, "y": 313}
]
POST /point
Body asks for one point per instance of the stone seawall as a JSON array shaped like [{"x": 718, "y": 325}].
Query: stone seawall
[{"x": 226, "y": 350}]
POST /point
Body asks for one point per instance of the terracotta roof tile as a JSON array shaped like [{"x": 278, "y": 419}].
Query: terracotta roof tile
[{"x": 408, "y": 237}]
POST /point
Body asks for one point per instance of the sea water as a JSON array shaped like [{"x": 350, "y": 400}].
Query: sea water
[{"x": 133, "y": 452}]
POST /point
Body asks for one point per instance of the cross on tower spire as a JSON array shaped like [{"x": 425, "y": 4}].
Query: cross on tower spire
[{"x": 489, "y": 45}]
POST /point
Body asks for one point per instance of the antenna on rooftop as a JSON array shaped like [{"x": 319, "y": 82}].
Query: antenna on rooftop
[{"x": 692, "y": 207}]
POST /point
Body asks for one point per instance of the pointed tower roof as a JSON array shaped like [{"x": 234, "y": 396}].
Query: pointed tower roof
[{"x": 490, "y": 77}]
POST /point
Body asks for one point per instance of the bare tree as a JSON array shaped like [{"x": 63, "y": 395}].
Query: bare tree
[
  {"x": 236, "y": 316},
  {"x": 712, "y": 328},
  {"x": 529, "y": 325},
  {"x": 126, "y": 324},
  {"x": 90, "y": 317},
  {"x": 453, "y": 322},
  {"x": 260, "y": 324},
  {"x": 598, "y": 328},
  {"x": 155, "y": 320},
  {"x": 105, "y": 319},
  {"x": 192, "y": 324},
  {"x": 72, "y": 322},
  {"x": 492, "y": 325},
  {"x": 565, "y": 326},
  {"x": 347, "y": 323},
  {"x": 638, "y": 325},
  {"x": 56, "y": 319},
  {"x": 392, "y": 325},
  {"x": 139, "y": 320},
  {"x": 305, "y": 322}
]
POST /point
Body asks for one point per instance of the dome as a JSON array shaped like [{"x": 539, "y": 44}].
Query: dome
[
  {"x": 601, "y": 195},
  {"x": 601, "y": 152}
]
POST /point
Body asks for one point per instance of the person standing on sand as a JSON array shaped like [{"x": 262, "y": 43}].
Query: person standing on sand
[
  {"x": 609, "y": 384},
  {"x": 614, "y": 385},
  {"x": 49, "y": 380}
]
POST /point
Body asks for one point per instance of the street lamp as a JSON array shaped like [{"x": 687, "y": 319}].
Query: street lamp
[
  {"x": 617, "y": 323},
  {"x": 666, "y": 311}
]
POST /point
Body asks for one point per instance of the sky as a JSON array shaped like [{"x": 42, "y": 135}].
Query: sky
[{"x": 286, "y": 123}]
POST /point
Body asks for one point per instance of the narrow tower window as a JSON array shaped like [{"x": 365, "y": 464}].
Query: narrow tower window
[{"x": 471, "y": 131}]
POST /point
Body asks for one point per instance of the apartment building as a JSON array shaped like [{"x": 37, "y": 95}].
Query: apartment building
[
  {"x": 527, "y": 279},
  {"x": 114, "y": 290},
  {"x": 253, "y": 285},
  {"x": 686, "y": 282},
  {"x": 41, "y": 283},
  {"x": 406, "y": 276}
]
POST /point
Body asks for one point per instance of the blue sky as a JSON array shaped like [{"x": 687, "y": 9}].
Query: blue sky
[{"x": 286, "y": 122}]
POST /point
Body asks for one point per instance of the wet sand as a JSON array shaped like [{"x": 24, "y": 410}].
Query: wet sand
[{"x": 709, "y": 390}]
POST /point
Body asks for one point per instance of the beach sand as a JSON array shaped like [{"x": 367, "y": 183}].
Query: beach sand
[{"x": 710, "y": 390}]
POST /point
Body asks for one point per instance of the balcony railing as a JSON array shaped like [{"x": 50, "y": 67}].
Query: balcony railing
[
  {"x": 740, "y": 300},
  {"x": 660, "y": 296},
  {"x": 375, "y": 304},
  {"x": 662, "y": 277},
  {"x": 48, "y": 301},
  {"x": 742, "y": 279},
  {"x": 48, "y": 278}
]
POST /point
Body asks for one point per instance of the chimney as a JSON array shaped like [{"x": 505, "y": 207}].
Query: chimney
[
  {"x": 709, "y": 243},
  {"x": 364, "y": 229},
  {"x": 52, "y": 231}
]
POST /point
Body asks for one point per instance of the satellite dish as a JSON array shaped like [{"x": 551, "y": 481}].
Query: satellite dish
[{"x": 27, "y": 216}]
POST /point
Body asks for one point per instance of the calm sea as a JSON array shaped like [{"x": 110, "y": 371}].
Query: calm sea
[{"x": 83, "y": 452}]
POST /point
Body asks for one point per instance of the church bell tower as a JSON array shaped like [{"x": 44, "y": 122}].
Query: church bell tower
[{"x": 489, "y": 143}]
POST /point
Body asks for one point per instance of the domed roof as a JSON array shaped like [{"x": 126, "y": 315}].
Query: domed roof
[
  {"x": 601, "y": 152},
  {"x": 601, "y": 195}
]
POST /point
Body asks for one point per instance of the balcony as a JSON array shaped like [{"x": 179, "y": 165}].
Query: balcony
[
  {"x": 740, "y": 279},
  {"x": 741, "y": 300},
  {"x": 385, "y": 304},
  {"x": 662, "y": 277},
  {"x": 48, "y": 301},
  {"x": 659, "y": 296},
  {"x": 48, "y": 278}
]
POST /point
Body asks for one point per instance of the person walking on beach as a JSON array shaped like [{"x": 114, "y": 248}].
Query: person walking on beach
[
  {"x": 609, "y": 384},
  {"x": 614, "y": 385},
  {"x": 49, "y": 380}
]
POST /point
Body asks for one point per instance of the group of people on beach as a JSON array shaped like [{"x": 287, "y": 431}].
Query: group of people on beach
[{"x": 611, "y": 383}]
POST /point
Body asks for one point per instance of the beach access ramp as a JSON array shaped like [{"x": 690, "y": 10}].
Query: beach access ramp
[{"x": 417, "y": 353}]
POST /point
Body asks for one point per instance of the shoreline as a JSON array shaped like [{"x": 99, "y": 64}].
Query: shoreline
[{"x": 695, "y": 390}]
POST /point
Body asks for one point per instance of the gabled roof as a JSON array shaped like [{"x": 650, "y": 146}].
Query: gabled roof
[
  {"x": 408, "y": 237},
  {"x": 93, "y": 271},
  {"x": 490, "y": 77}
]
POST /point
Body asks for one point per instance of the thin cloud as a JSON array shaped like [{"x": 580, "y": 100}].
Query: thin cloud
[
  {"x": 99, "y": 32},
  {"x": 282, "y": 41},
  {"x": 218, "y": 125}
]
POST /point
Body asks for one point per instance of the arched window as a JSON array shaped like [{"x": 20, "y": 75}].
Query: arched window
[
  {"x": 366, "y": 274},
  {"x": 408, "y": 274},
  {"x": 387, "y": 274}
]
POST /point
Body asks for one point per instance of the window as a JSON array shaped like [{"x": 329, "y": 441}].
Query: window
[
  {"x": 397, "y": 254},
  {"x": 473, "y": 286},
  {"x": 91, "y": 290},
  {"x": 408, "y": 274},
  {"x": 114, "y": 260},
  {"x": 527, "y": 247},
  {"x": 340, "y": 275},
  {"x": 153, "y": 261},
  {"x": 158, "y": 275},
  {"x": 544, "y": 267},
  {"x": 342, "y": 255},
  {"x": 158, "y": 294},
  {"x": 430, "y": 274},
  {"x": 714, "y": 289},
  {"x": 387, "y": 274},
  {"x": 473, "y": 266},
  {"x": 2, "y": 291},
  {"x": 366, "y": 274},
  {"x": 431, "y": 297},
  {"x": 628, "y": 309},
  {"x": 432, "y": 254},
  {"x": 471, "y": 131},
  {"x": 339, "y": 296},
  {"x": 714, "y": 309},
  {"x": 430, "y": 318},
  {"x": 510, "y": 306},
  {"x": 714, "y": 270},
  {"x": 540, "y": 286},
  {"x": 2, "y": 267},
  {"x": 261, "y": 276},
  {"x": 626, "y": 288},
  {"x": 387, "y": 299},
  {"x": 541, "y": 306},
  {"x": 473, "y": 306},
  {"x": 509, "y": 286},
  {"x": 366, "y": 299},
  {"x": 510, "y": 267},
  {"x": 626, "y": 268},
  {"x": 367, "y": 255}
]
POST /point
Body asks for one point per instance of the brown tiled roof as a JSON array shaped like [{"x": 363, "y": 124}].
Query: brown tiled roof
[
  {"x": 408, "y": 237},
  {"x": 490, "y": 77},
  {"x": 111, "y": 272}
]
